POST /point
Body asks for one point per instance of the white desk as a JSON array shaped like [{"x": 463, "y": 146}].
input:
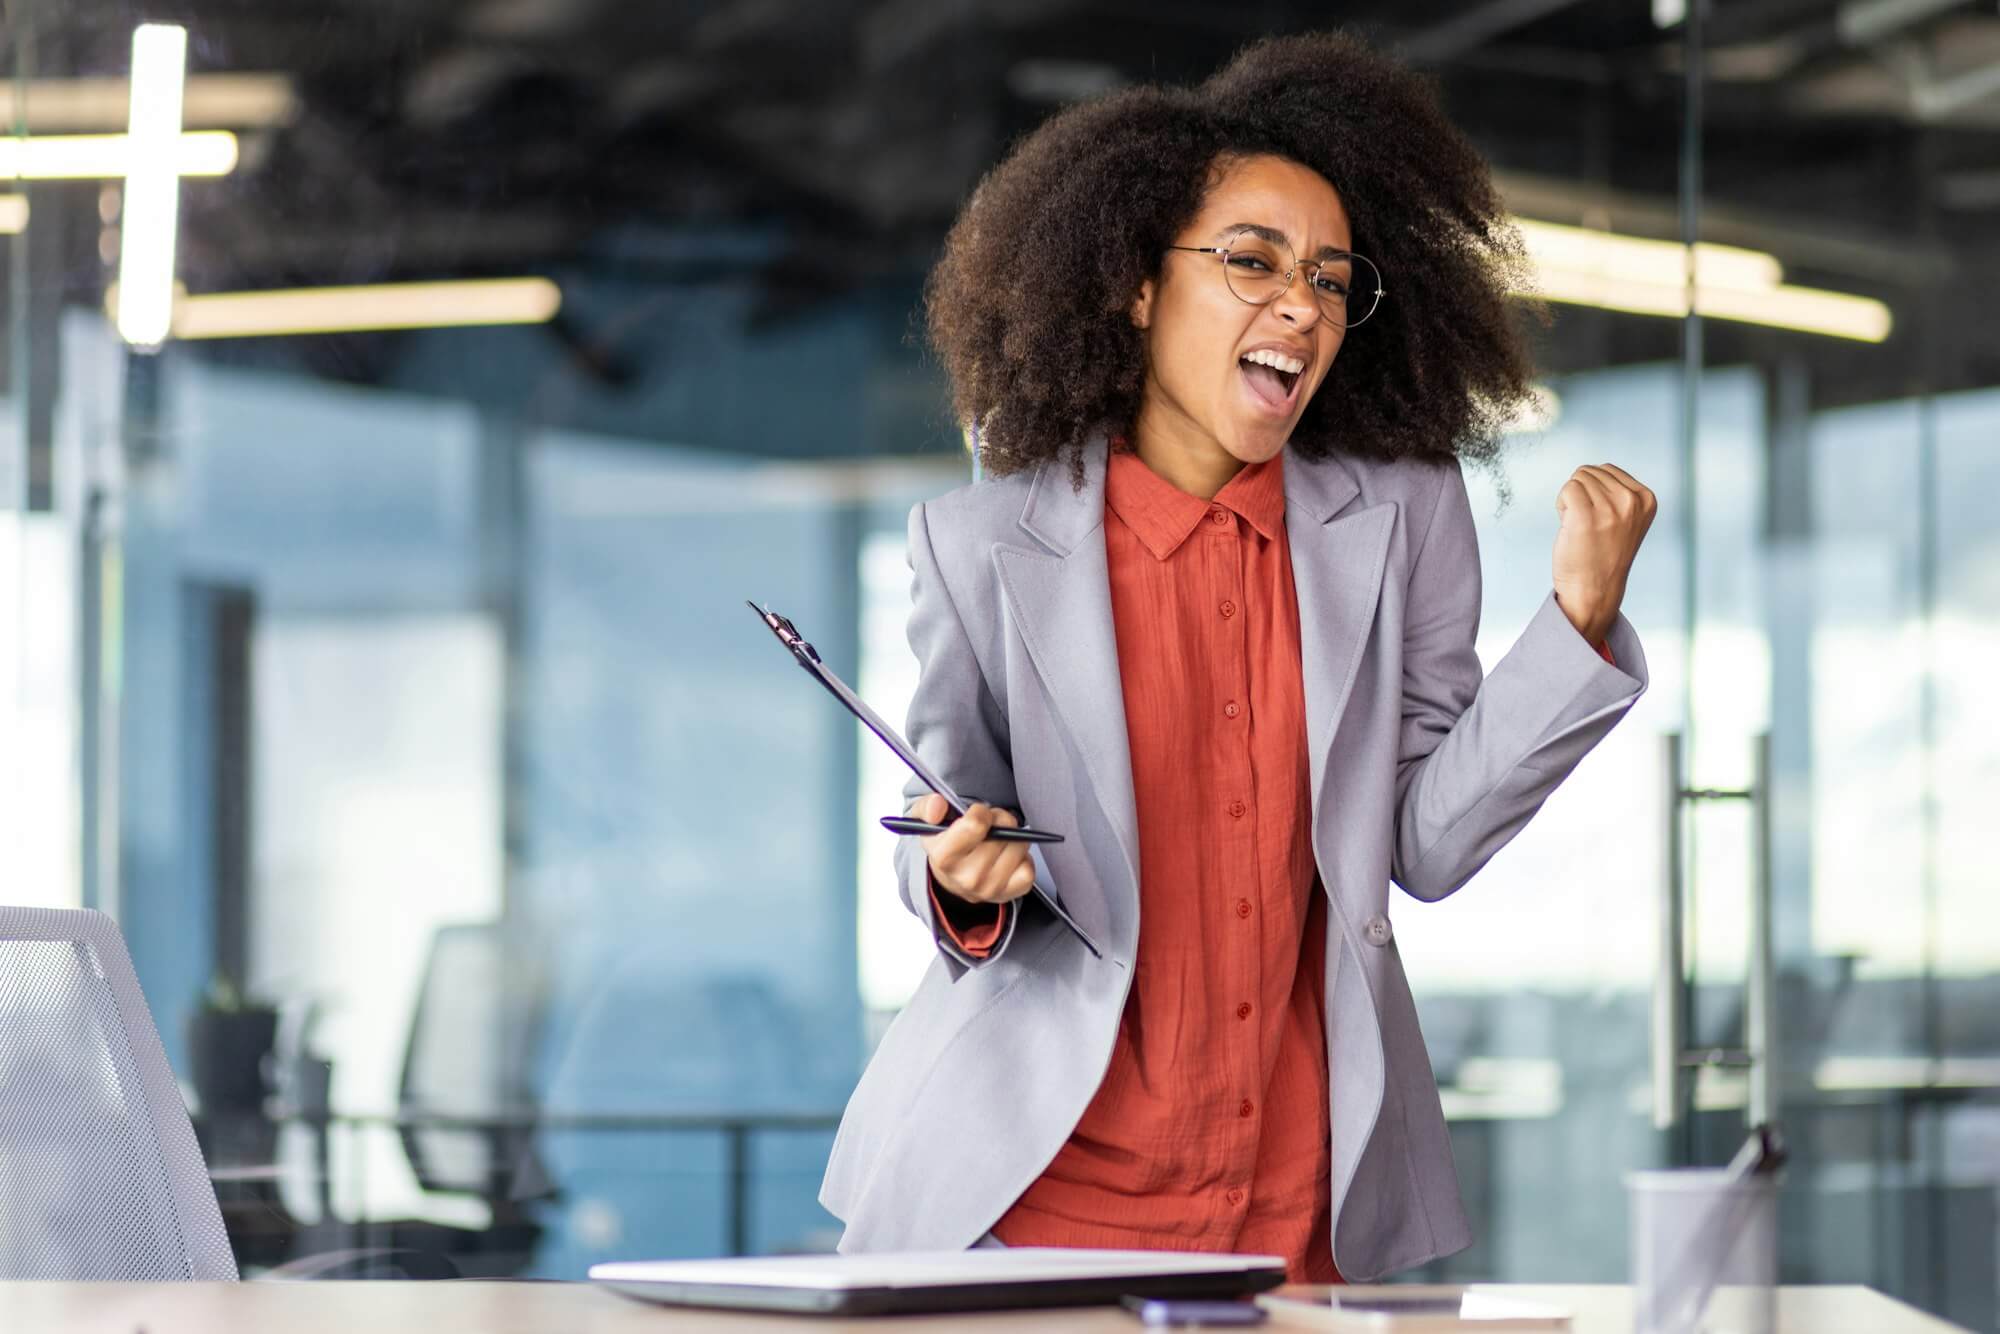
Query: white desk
[{"x": 575, "y": 1308}]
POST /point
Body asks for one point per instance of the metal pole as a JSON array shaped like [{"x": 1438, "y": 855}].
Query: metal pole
[
  {"x": 739, "y": 1187},
  {"x": 1760, "y": 1033},
  {"x": 1669, "y": 971}
]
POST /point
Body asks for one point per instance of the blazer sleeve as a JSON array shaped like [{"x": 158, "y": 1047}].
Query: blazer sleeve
[
  {"x": 1477, "y": 758},
  {"x": 957, "y": 725}
]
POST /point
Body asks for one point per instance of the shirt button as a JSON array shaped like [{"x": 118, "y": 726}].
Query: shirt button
[
  {"x": 1219, "y": 516},
  {"x": 1234, "y": 1196},
  {"x": 1242, "y": 907},
  {"x": 1238, "y": 809},
  {"x": 1230, "y": 710},
  {"x": 1246, "y": 1109},
  {"x": 1243, "y": 1010},
  {"x": 1228, "y": 608},
  {"x": 1378, "y": 931}
]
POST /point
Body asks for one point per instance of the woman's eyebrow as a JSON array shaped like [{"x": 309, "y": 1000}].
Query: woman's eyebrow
[{"x": 1272, "y": 234}]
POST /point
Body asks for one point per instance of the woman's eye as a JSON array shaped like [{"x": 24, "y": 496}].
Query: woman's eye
[
  {"x": 1249, "y": 262},
  {"x": 1332, "y": 286}
]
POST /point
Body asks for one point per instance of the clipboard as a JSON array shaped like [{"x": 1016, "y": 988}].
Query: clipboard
[{"x": 808, "y": 657}]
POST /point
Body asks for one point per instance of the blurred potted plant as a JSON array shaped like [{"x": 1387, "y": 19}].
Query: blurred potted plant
[{"x": 229, "y": 1038}]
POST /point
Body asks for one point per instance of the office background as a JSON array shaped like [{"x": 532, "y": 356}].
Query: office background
[{"x": 502, "y": 894}]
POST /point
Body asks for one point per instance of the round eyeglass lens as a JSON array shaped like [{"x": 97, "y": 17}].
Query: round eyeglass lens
[{"x": 1347, "y": 287}]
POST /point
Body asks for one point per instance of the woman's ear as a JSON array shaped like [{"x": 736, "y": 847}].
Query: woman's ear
[{"x": 1142, "y": 305}]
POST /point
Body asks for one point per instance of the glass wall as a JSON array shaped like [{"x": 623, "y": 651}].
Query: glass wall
[{"x": 501, "y": 896}]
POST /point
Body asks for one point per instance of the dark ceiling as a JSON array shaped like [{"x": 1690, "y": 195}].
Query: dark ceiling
[{"x": 1860, "y": 141}]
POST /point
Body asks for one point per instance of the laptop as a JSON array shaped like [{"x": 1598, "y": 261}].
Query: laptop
[{"x": 912, "y": 1282}]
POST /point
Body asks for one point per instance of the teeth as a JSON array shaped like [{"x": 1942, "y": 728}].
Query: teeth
[{"x": 1264, "y": 356}]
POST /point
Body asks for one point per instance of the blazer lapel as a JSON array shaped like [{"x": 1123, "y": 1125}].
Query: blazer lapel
[
  {"x": 1338, "y": 556},
  {"x": 1061, "y": 600}
]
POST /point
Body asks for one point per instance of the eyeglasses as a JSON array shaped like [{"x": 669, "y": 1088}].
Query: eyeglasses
[{"x": 1259, "y": 270}]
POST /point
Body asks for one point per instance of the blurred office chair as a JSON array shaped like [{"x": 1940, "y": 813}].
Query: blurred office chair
[
  {"x": 100, "y": 1175},
  {"x": 466, "y": 1061}
]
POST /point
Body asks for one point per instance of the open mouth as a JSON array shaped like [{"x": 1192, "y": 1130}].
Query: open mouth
[{"x": 1272, "y": 387}]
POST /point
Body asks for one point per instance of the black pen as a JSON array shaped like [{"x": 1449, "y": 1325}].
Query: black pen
[{"x": 904, "y": 824}]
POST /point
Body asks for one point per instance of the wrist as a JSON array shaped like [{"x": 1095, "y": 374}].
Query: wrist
[{"x": 1589, "y": 618}]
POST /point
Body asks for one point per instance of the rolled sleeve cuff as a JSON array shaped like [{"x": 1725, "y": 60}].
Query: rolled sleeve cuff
[{"x": 974, "y": 928}]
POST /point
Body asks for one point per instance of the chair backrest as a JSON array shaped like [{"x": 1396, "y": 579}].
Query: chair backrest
[
  {"x": 100, "y": 1174},
  {"x": 467, "y": 1057}
]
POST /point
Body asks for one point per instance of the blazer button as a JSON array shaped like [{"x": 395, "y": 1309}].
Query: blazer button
[{"x": 1379, "y": 931}]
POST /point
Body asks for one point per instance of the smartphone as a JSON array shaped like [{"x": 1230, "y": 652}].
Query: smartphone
[{"x": 1161, "y": 1313}]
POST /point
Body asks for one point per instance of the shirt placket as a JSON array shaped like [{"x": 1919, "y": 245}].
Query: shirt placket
[{"x": 1242, "y": 899}]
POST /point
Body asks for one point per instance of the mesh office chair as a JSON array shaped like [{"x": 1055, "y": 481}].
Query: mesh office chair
[
  {"x": 100, "y": 1175},
  {"x": 475, "y": 1023}
]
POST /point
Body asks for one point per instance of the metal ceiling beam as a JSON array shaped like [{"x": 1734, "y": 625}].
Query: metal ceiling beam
[
  {"x": 1866, "y": 22},
  {"x": 1476, "y": 27},
  {"x": 1794, "y": 238}
]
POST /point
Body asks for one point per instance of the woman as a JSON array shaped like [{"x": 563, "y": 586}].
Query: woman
[{"x": 1211, "y": 616}]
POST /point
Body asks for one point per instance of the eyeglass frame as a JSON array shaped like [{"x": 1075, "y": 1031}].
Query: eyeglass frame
[{"x": 1291, "y": 273}]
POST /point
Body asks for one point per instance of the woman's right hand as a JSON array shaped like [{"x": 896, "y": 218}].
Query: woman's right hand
[{"x": 966, "y": 862}]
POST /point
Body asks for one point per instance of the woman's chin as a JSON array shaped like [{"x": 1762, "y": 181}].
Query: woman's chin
[{"x": 1258, "y": 444}]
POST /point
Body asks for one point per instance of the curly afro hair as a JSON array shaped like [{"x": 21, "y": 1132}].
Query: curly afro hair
[{"x": 1028, "y": 305}]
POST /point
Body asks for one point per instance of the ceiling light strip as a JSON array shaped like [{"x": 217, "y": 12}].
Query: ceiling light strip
[
  {"x": 361, "y": 309},
  {"x": 82, "y": 157},
  {"x": 1643, "y": 276},
  {"x": 212, "y": 101},
  {"x": 152, "y": 185}
]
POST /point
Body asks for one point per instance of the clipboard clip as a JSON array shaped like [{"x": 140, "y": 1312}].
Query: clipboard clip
[{"x": 787, "y": 633}]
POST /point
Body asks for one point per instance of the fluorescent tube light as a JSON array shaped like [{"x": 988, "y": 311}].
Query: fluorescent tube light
[
  {"x": 81, "y": 157},
  {"x": 212, "y": 101},
  {"x": 319, "y": 310},
  {"x": 152, "y": 185},
  {"x": 1644, "y": 259},
  {"x": 13, "y": 214},
  {"x": 1649, "y": 277}
]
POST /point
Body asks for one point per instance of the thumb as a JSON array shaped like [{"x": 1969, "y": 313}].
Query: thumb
[{"x": 931, "y": 809}]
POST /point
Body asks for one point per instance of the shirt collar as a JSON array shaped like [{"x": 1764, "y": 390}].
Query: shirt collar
[{"x": 1162, "y": 515}]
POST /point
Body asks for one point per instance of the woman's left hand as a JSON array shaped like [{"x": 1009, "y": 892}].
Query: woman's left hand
[{"x": 1604, "y": 513}]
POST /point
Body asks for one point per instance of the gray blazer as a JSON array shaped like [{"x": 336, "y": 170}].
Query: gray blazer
[{"x": 1421, "y": 771}]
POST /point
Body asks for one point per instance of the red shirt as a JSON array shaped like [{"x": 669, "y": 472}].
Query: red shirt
[{"x": 1210, "y": 1129}]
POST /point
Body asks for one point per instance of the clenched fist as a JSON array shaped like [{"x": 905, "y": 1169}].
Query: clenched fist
[
  {"x": 970, "y": 865},
  {"x": 1604, "y": 513}
]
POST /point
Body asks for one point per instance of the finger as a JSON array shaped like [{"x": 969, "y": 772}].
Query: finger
[
  {"x": 1574, "y": 495},
  {"x": 1624, "y": 478},
  {"x": 1648, "y": 502},
  {"x": 930, "y": 808},
  {"x": 1005, "y": 818},
  {"x": 989, "y": 886},
  {"x": 989, "y": 869},
  {"x": 1021, "y": 881},
  {"x": 1009, "y": 876},
  {"x": 995, "y": 863},
  {"x": 965, "y": 833},
  {"x": 963, "y": 875},
  {"x": 1600, "y": 491},
  {"x": 1622, "y": 497}
]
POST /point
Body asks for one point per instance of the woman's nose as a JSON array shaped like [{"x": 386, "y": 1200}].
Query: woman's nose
[{"x": 1296, "y": 305}]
